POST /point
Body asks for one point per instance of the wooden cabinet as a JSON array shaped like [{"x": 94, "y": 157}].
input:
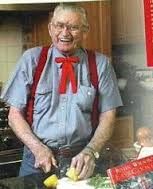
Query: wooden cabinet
[
  {"x": 99, "y": 15},
  {"x": 40, "y": 30},
  {"x": 123, "y": 135},
  {"x": 127, "y": 21},
  {"x": 35, "y": 29}
]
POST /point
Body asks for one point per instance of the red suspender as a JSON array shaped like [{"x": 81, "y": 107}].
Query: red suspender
[
  {"x": 94, "y": 81},
  {"x": 37, "y": 74}
]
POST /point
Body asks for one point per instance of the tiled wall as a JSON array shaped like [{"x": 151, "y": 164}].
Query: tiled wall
[{"x": 10, "y": 45}]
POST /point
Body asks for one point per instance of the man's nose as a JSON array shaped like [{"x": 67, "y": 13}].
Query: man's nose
[{"x": 66, "y": 29}]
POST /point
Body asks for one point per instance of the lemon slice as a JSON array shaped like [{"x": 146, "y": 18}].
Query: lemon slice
[
  {"x": 72, "y": 174},
  {"x": 51, "y": 181}
]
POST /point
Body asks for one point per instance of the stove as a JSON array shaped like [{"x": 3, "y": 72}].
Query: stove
[{"x": 11, "y": 148}]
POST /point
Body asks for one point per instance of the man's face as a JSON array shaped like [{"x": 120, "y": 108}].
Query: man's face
[{"x": 66, "y": 31}]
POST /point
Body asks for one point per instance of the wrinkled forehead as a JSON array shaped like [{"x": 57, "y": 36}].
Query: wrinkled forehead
[{"x": 67, "y": 16}]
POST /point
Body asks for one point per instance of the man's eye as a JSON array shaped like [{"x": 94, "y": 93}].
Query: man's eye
[
  {"x": 74, "y": 28},
  {"x": 60, "y": 26}
]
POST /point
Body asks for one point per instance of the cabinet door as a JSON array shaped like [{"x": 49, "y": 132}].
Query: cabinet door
[
  {"x": 123, "y": 135},
  {"x": 99, "y": 16},
  {"x": 40, "y": 30},
  {"x": 127, "y": 21},
  {"x": 118, "y": 26},
  {"x": 134, "y": 21}
]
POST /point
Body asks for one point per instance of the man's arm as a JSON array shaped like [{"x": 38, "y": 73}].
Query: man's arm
[
  {"x": 42, "y": 153},
  {"x": 104, "y": 130},
  {"x": 84, "y": 162}
]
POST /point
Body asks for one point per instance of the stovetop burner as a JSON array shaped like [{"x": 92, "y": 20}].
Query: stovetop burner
[
  {"x": 8, "y": 140},
  {"x": 11, "y": 148},
  {"x": 10, "y": 161},
  {"x": 2, "y": 186},
  {"x": 32, "y": 182}
]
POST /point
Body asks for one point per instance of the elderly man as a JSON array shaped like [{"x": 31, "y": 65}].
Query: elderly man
[{"x": 61, "y": 117}]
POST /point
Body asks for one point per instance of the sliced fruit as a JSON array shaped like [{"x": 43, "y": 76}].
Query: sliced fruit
[
  {"x": 51, "y": 181},
  {"x": 72, "y": 174}
]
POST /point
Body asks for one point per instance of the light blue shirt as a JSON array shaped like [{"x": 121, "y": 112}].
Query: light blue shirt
[{"x": 62, "y": 118}]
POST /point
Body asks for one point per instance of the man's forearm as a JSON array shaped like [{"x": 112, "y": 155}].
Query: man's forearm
[
  {"x": 23, "y": 130},
  {"x": 104, "y": 130}
]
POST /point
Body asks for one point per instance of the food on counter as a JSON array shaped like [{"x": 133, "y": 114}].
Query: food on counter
[
  {"x": 51, "y": 181},
  {"x": 98, "y": 182},
  {"x": 72, "y": 174},
  {"x": 67, "y": 183}
]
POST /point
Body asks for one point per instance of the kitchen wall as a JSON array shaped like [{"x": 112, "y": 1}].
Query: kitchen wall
[
  {"x": 10, "y": 44},
  {"x": 17, "y": 32}
]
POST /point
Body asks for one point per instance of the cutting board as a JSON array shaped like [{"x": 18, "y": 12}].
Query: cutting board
[{"x": 66, "y": 183}]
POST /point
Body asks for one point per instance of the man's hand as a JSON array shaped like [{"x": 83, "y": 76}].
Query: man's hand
[
  {"x": 44, "y": 158},
  {"x": 84, "y": 164}
]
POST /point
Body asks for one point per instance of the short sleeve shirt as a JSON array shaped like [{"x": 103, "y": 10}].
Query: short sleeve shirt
[{"x": 62, "y": 118}]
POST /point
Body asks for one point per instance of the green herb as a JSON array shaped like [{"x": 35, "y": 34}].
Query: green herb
[{"x": 99, "y": 182}]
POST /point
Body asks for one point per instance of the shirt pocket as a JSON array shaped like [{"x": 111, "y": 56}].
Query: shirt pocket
[
  {"x": 85, "y": 97},
  {"x": 42, "y": 100}
]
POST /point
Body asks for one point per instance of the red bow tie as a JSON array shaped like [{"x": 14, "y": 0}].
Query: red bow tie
[{"x": 67, "y": 73}]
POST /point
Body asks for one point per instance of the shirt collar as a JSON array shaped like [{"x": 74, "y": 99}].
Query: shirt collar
[{"x": 57, "y": 53}]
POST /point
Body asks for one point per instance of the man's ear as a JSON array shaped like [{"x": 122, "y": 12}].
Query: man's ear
[
  {"x": 85, "y": 35},
  {"x": 50, "y": 28}
]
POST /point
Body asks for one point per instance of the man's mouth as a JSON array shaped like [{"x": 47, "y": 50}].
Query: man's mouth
[{"x": 65, "y": 40}]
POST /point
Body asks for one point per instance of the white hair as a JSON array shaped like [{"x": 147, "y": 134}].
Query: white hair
[{"x": 72, "y": 8}]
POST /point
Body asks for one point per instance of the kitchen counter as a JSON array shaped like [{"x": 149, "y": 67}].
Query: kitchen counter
[{"x": 36, "y": 182}]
